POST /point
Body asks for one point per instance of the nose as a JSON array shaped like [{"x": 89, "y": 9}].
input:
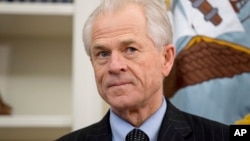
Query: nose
[{"x": 117, "y": 64}]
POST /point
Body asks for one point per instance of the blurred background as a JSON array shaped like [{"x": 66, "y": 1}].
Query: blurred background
[
  {"x": 47, "y": 87},
  {"x": 211, "y": 75}
]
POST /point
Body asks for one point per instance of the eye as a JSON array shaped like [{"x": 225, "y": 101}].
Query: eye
[
  {"x": 103, "y": 54},
  {"x": 131, "y": 49}
]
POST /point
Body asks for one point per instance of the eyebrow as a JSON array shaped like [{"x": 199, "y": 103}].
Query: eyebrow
[
  {"x": 98, "y": 47},
  {"x": 127, "y": 42},
  {"x": 124, "y": 42}
]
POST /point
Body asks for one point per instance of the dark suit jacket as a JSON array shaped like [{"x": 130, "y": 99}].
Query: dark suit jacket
[{"x": 176, "y": 126}]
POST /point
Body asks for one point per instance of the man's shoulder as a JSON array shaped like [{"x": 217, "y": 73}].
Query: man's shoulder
[
  {"x": 80, "y": 134},
  {"x": 206, "y": 127},
  {"x": 97, "y": 129},
  {"x": 202, "y": 121},
  {"x": 195, "y": 127},
  {"x": 191, "y": 119}
]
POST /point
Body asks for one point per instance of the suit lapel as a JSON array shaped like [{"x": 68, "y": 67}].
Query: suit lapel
[
  {"x": 102, "y": 131},
  {"x": 174, "y": 126}
]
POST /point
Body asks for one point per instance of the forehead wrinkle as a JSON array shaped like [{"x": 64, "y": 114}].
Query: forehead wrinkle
[{"x": 109, "y": 32}]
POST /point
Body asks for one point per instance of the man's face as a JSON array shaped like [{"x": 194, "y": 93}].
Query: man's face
[{"x": 128, "y": 67}]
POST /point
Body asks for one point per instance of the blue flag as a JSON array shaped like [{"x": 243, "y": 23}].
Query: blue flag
[{"x": 211, "y": 74}]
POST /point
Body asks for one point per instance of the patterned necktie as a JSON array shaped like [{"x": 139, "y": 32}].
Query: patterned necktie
[{"x": 137, "y": 135}]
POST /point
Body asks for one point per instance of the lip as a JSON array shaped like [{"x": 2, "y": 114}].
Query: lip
[{"x": 118, "y": 84}]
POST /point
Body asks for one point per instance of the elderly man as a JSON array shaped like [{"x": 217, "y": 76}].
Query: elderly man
[{"x": 129, "y": 45}]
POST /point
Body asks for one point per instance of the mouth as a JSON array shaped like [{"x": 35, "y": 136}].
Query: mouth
[{"x": 119, "y": 84}]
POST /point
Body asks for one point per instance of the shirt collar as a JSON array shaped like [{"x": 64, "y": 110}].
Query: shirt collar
[{"x": 151, "y": 127}]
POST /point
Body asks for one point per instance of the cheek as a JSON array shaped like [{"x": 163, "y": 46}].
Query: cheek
[
  {"x": 153, "y": 71},
  {"x": 153, "y": 64},
  {"x": 99, "y": 75},
  {"x": 99, "y": 83},
  {"x": 98, "y": 70}
]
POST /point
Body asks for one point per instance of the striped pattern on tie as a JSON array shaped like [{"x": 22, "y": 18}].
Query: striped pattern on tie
[{"x": 137, "y": 135}]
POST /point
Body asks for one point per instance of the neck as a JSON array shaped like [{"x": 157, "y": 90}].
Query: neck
[{"x": 136, "y": 116}]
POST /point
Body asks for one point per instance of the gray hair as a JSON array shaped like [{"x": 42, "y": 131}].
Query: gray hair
[{"x": 159, "y": 29}]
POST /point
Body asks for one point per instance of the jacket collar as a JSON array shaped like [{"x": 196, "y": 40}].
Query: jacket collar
[
  {"x": 173, "y": 124},
  {"x": 102, "y": 130}
]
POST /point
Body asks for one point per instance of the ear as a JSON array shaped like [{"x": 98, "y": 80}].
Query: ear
[{"x": 168, "y": 56}]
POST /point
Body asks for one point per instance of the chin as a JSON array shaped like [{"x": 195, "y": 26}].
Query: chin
[{"x": 122, "y": 105}]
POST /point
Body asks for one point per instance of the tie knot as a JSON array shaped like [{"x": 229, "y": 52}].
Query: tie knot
[{"x": 137, "y": 135}]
